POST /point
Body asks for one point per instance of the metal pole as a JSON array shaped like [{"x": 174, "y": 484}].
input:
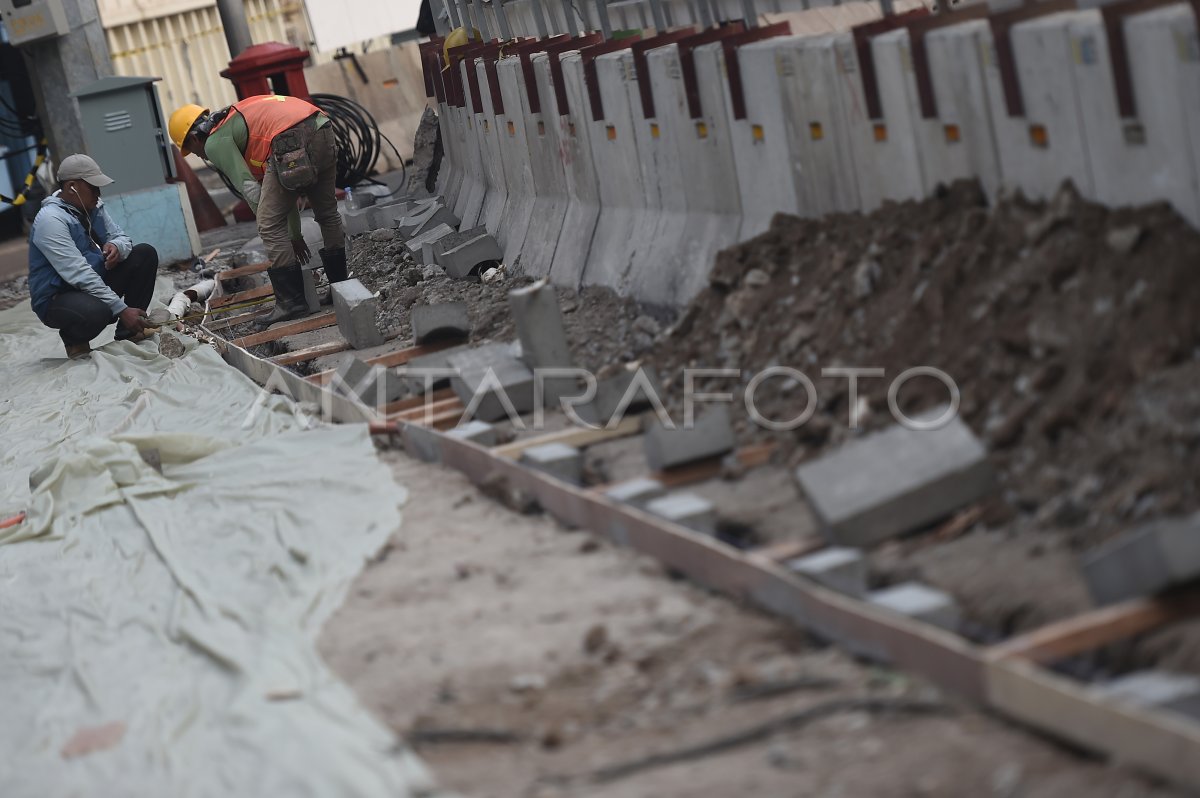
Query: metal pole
[
  {"x": 237, "y": 29},
  {"x": 660, "y": 20},
  {"x": 539, "y": 19},
  {"x": 452, "y": 12},
  {"x": 502, "y": 19},
  {"x": 605, "y": 22},
  {"x": 569, "y": 13}
]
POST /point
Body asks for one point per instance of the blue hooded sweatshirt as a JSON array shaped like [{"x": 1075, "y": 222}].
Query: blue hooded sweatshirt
[{"x": 65, "y": 252}]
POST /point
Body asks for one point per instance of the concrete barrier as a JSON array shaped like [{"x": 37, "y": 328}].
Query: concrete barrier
[
  {"x": 518, "y": 162},
  {"x": 551, "y": 199},
  {"x": 490, "y": 129},
  {"x": 583, "y": 189},
  {"x": 469, "y": 203},
  {"x": 450, "y": 174}
]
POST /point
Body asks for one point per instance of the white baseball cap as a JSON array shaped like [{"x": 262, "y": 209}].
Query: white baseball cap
[{"x": 82, "y": 167}]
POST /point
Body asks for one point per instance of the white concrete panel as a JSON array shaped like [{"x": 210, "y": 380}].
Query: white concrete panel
[
  {"x": 624, "y": 236},
  {"x": 958, "y": 87},
  {"x": 450, "y": 173},
  {"x": 546, "y": 167},
  {"x": 583, "y": 191},
  {"x": 1147, "y": 158},
  {"x": 490, "y": 129},
  {"x": 470, "y": 199},
  {"x": 810, "y": 70},
  {"x": 761, "y": 145},
  {"x": 1051, "y": 105},
  {"x": 518, "y": 165},
  {"x": 885, "y": 149}
]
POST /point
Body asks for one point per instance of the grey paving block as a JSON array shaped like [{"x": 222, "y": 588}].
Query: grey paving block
[
  {"x": 686, "y": 509},
  {"x": 638, "y": 492},
  {"x": 419, "y": 245},
  {"x": 355, "y": 308},
  {"x": 515, "y": 382},
  {"x": 611, "y": 391},
  {"x": 557, "y": 459},
  {"x": 837, "y": 568},
  {"x": 895, "y": 481},
  {"x": 476, "y": 431},
  {"x": 1177, "y": 692},
  {"x": 443, "y": 320},
  {"x": 1148, "y": 560},
  {"x": 920, "y": 602},
  {"x": 387, "y": 211},
  {"x": 462, "y": 260},
  {"x": 426, "y": 218},
  {"x": 709, "y": 436}
]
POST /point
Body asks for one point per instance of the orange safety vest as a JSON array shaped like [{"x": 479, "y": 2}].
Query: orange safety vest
[{"x": 267, "y": 115}]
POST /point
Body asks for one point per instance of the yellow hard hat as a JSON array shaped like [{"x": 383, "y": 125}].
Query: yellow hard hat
[
  {"x": 181, "y": 122},
  {"x": 457, "y": 38}
]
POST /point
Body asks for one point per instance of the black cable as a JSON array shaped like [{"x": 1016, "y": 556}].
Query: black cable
[{"x": 359, "y": 140}]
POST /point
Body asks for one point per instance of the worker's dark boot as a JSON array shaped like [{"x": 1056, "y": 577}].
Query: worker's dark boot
[
  {"x": 288, "y": 284},
  {"x": 334, "y": 261}
]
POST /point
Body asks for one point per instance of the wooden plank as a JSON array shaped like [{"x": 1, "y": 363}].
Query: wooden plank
[
  {"x": 784, "y": 550},
  {"x": 241, "y": 296},
  {"x": 391, "y": 359},
  {"x": 416, "y": 401},
  {"x": 1098, "y": 627},
  {"x": 751, "y": 456},
  {"x": 243, "y": 271},
  {"x": 317, "y": 322},
  {"x": 418, "y": 414},
  {"x": 1162, "y": 743},
  {"x": 575, "y": 436},
  {"x": 312, "y": 352},
  {"x": 240, "y": 318}
]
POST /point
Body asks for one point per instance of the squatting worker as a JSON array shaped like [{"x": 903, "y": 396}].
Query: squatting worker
[
  {"x": 274, "y": 149},
  {"x": 84, "y": 272}
]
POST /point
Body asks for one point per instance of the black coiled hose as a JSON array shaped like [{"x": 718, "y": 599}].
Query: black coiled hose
[{"x": 359, "y": 140}]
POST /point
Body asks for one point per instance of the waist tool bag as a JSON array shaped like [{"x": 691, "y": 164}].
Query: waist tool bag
[{"x": 289, "y": 155}]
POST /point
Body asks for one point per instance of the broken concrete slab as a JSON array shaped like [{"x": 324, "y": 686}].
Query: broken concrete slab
[
  {"x": 920, "y": 602},
  {"x": 895, "y": 481},
  {"x": 440, "y": 321},
  {"x": 838, "y": 568},
  {"x": 637, "y": 492},
  {"x": 711, "y": 435},
  {"x": 494, "y": 382},
  {"x": 475, "y": 431},
  {"x": 688, "y": 510},
  {"x": 355, "y": 308},
  {"x": 1148, "y": 560},
  {"x": 1176, "y": 692},
  {"x": 463, "y": 259},
  {"x": 611, "y": 391},
  {"x": 556, "y": 459},
  {"x": 425, "y": 217}
]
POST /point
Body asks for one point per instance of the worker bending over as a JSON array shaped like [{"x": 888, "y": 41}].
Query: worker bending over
[
  {"x": 84, "y": 272},
  {"x": 273, "y": 149}
]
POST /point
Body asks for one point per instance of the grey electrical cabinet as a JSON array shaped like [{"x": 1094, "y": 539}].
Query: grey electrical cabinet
[{"x": 124, "y": 130}]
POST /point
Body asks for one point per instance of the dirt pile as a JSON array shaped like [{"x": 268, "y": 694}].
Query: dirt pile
[{"x": 1070, "y": 329}]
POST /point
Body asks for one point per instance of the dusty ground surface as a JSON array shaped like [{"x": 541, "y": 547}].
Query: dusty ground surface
[{"x": 574, "y": 658}]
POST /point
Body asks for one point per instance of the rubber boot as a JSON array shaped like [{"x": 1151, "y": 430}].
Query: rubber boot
[
  {"x": 334, "y": 261},
  {"x": 288, "y": 284}
]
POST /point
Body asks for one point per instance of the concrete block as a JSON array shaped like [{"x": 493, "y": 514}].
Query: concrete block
[
  {"x": 539, "y": 325},
  {"x": 895, "y": 481},
  {"x": 686, "y": 509},
  {"x": 1152, "y": 558},
  {"x": 356, "y": 221},
  {"x": 1152, "y": 689},
  {"x": 453, "y": 240},
  {"x": 374, "y": 386},
  {"x": 355, "y": 308},
  {"x": 363, "y": 199},
  {"x": 386, "y": 212},
  {"x": 419, "y": 245},
  {"x": 475, "y": 431},
  {"x": 710, "y": 435},
  {"x": 425, "y": 218},
  {"x": 414, "y": 371},
  {"x": 462, "y": 260},
  {"x": 557, "y": 459},
  {"x": 638, "y": 492},
  {"x": 837, "y": 568},
  {"x": 465, "y": 357},
  {"x": 921, "y": 603},
  {"x": 611, "y": 391},
  {"x": 507, "y": 377},
  {"x": 444, "y": 320},
  {"x": 572, "y": 137}
]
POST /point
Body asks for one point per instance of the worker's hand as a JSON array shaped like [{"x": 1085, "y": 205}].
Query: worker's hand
[
  {"x": 300, "y": 248},
  {"x": 112, "y": 255},
  {"x": 132, "y": 318}
]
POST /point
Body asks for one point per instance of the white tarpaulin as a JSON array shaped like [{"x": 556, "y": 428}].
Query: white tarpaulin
[{"x": 157, "y": 631}]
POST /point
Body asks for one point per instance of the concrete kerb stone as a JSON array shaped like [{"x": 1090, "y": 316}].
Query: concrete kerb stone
[
  {"x": 838, "y": 568},
  {"x": 475, "y": 431},
  {"x": 417, "y": 244},
  {"x": 895, "y": 481},
  {"x": 462, "y": 260},
  {"x": 415, "y": 370},
  {"x": 482, "y": 369},
  {"x": 920, "y": 602},
  {"x": 687, "y": 510},
  {"x": 454, "y": 239},
  {"x": 582, "y": 182},
  {"x": 515, "y": 155},
  {"x": 387, "y": 212},
  {"x": 425, "y": 219},
  {"x": 557, "y": 459},
  {"x": 543, "y": 337},
  {"x": 610, "y": 391},
  {"x": 490, "y": 133},
  {"x": 443, "y": 320},
  {"x": 355, "y": 308},
  {"x": 637, "y": 492},
  {"x": 374, "y": 386},
  {"x": 1146, "y": 561},
  {"x": 709, "y": 436}
]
